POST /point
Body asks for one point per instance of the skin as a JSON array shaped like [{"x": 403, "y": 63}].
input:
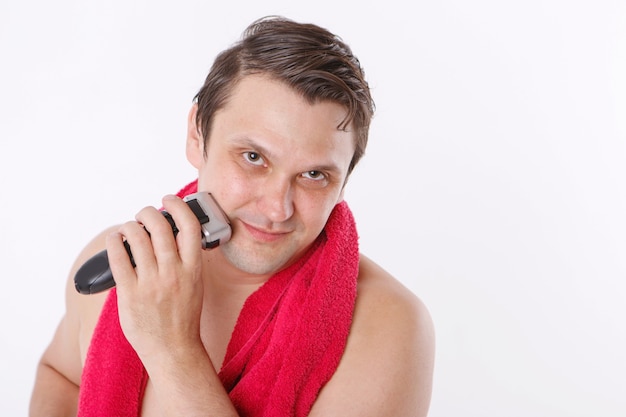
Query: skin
[{"x": 278, "y": 165}]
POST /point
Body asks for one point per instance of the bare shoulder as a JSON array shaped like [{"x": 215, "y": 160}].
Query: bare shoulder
[
  {"x": 86, "y": 308},
  {"x": 70, "y": 342},
  {"x": 387, "y": 367},
  {"x": 381, "y": 297}
]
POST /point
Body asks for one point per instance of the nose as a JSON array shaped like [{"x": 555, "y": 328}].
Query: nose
[{"x": 276, "y": 199}]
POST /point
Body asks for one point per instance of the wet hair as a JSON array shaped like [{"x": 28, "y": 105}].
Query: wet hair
[{"x": 308, "y": 58}]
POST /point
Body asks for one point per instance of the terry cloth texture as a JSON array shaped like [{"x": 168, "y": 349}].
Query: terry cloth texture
[{"x": 287, "y": 343}]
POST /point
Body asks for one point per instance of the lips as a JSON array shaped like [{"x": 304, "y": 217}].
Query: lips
[{"x": 263, "y": 235}]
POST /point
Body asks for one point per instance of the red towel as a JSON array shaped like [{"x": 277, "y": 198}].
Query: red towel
[{"x": 287, "y": 343}]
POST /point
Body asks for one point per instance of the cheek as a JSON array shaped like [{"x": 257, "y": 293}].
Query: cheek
[
  {"x": 316, "y": 210},
  {"x": 228, "y": 185}
]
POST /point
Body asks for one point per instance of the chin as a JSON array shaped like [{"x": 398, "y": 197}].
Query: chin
[{"x": 255, "y": 262}]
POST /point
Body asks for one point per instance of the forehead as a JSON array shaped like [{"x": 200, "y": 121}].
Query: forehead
[{"x": 269, "y": 112}]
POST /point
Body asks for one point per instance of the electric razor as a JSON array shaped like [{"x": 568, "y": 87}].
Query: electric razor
[{"x": 95, "y": 275}]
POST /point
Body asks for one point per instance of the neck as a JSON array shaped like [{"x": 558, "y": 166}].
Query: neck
[{"x": 224, "y": 283}]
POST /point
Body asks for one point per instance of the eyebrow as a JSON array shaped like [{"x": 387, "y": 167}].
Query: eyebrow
[{"x": 247, "y": 142}]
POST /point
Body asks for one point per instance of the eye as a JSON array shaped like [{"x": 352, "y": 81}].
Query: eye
[
  {"x": 315, "y": 179},
  {"x": 254, "y": 158},
  {"x": 314, "y": 175}
]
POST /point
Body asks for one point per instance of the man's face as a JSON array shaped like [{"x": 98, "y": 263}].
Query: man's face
[{"x": 277, "y": 166}]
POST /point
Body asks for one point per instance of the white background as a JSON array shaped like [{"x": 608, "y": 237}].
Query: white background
[{"x": 494, "y": 185}]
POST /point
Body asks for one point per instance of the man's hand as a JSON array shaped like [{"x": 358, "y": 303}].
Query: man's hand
[{"x": 160, "y": 300}]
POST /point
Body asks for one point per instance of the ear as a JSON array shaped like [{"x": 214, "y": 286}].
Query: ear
[{"x": 195, "y": 140}]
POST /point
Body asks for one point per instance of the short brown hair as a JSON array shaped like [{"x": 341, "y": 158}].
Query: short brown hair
[{"x": 310, "y": 59}]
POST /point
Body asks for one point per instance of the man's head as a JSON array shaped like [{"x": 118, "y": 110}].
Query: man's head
[{"x": 311, "y": 60}]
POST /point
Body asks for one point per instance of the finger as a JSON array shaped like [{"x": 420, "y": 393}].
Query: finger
[
  {"x": 121, "y": 267},
  {"x": 189, "y": 238},
  {"x": 140, "y": 245},
  {"x": 163, "y": 244}
]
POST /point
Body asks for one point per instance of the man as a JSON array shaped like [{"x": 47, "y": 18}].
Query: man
[{"x": 286, "y": 318}]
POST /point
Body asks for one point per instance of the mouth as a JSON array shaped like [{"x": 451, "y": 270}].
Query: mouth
[{"x": 264, "y": 235}]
